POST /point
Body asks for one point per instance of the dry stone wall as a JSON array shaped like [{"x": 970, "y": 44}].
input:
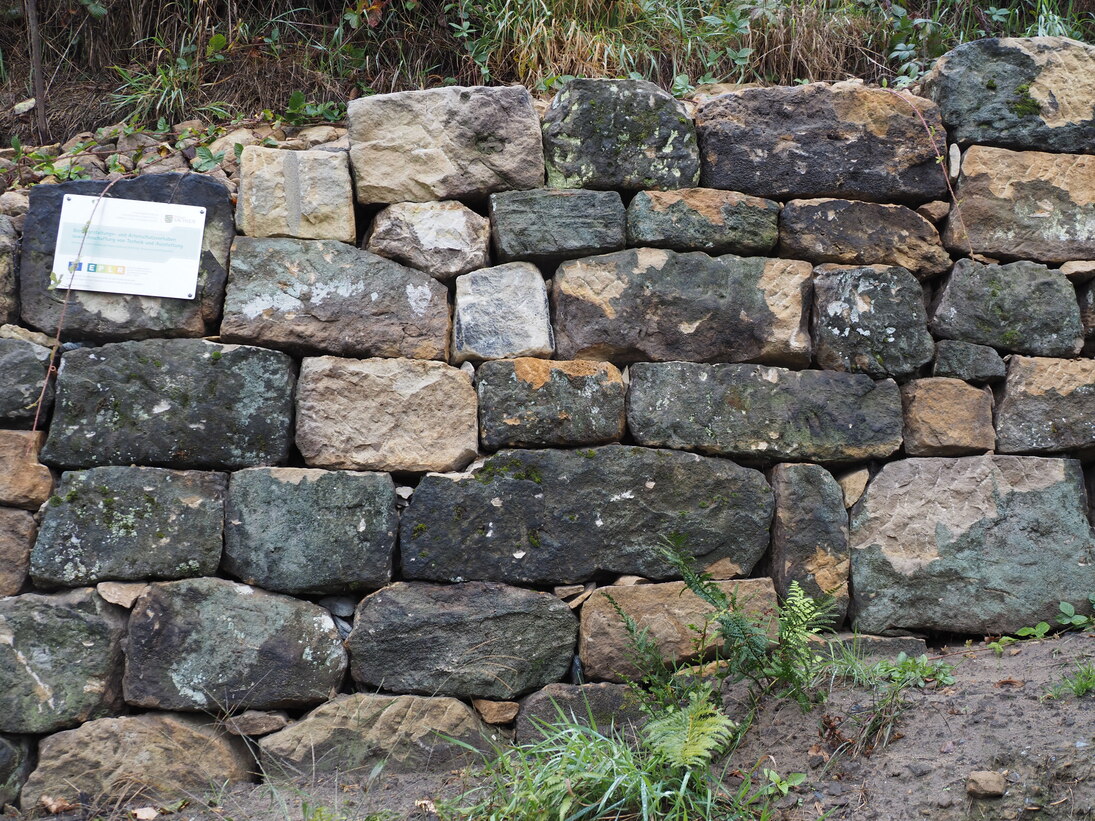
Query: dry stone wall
[{"x": 445, "y": 389}]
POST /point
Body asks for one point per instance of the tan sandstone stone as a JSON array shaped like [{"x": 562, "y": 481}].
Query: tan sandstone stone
[
  {"x": 24, "y": 481},
  {"x": 853, "y": 484},
  {"x": 946, "y": 417},
  {"x": 17, "y": 533},
  {"x": 496, "y": 712}
]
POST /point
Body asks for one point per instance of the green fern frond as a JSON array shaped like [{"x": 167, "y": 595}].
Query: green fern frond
[{"x": 693, "y": 735}]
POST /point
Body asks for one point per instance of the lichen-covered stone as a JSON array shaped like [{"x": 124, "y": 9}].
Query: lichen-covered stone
[
  {"x": 605, "y": 703},
  {"x": 977, "y": 544},
  {"x": 565, "y": 516},
  {"x": 310, "y": 296},
  {"x": 24, "y": 481},
  {"x": 967, "y": 361},
  {"x": 861, "y": 233},
  {"x": 16, "y": 762},
  {"x": 810, "y": 534},
  {"x": 23, "y": 369},
  {"x": 470, "y": 640},
  {"x": 870, "y": 320},
  {"x": 385, "y": 414},
  {"x": 9, "y": 250},
  {"x": 103, "y": 316},
  {"x": 626, "y": 135},
  {"x": 548, "y": 224},
  {"x": 667, "y": 612},
  {"x": 180, "y": 403},
  {"x": 703, "y": 219},
  {"x": 1086, "y": 296},
  {"x": 60, "y": 660},
  {"x": 500, "y": 313},
  {"x": 303, "y": 194},
  {"x": 754, "y": 412},
  {"x": 1024, "y": 205},
  {"x": 820, "y": 140},
  {"x": 161, "y": 756},
  {"x": 352, "y": 735},
  {"x": 214, "y": 645},
  {"x": 17, "y": 532},
  {"x": 1022, "y": 308},
  {"x": 534, "y": 403},
  {"x": 130, "y": 524},
  {"x": 444, "y": 239},
  {"x": 1046, "y": 406},
  {"x": 946, "y": 417},
  {"x": 652, "y": 304},
  {"x": 444, "y": 143},
  {"x": 310, "y": 531},
  {"x": 1018, "y": 92}
]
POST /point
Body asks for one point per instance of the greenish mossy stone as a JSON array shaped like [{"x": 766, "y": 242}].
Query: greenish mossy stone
[
  {"x": 703, "y": 219},
  {"x": 964, "y": 360},
  {"x": 548, "y": 225},
  {"x": 23, "y": 367},
  {"x": 16, "y": 762}
]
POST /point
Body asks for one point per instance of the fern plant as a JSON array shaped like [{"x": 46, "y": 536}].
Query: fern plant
[
  {"x": 692, "y": 735},
  {"x": 794, "y": 663}
]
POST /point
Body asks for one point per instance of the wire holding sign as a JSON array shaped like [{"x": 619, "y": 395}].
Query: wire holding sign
[{"x": 129, "y": 247}]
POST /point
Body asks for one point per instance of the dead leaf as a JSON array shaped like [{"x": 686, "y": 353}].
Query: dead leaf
[
  {"x": 1009, "y": 682},
  {"x": 425, "y": 804},
  {"x": 145, "y": 813},
  {"x": 56, "y": 806}
]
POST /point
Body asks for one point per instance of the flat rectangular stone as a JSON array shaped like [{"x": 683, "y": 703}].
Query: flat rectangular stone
[
  {"x": 17, "y": 531},
  {"x": 24, "y": 481},
  {"x": 1047, "y": 406},
  {"x": 548, "y": 224}
]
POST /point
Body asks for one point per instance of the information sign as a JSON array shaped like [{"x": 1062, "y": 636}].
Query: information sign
[{"x": 128, "y": 246}]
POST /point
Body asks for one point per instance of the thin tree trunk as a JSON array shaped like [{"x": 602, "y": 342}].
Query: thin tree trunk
[{"x": 37, "y": 73}]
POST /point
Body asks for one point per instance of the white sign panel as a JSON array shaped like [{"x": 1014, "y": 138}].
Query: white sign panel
[{"x": 128, "y": 246}]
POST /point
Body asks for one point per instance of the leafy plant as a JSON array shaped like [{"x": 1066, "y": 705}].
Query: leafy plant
[
  {"x": 299, "y": 110},
  {"x": 1073, "y": 620},
  {"x": 1080, "y": 682},
  {"x": 206, "y": 159}
]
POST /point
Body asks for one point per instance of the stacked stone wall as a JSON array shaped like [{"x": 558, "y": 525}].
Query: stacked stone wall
[{"x": 447, "y": 395}]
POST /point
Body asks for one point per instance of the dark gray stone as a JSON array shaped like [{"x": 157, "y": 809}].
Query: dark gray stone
[
  {"x": 214, "y": 645},
  {"x": 560, "y": 517},
  {"x": 978, "y": 544},
  {"x": 870, "y": 320},
  {"x": 765, "y": 414},
  {"x": 9, "y": 262},
  {"x": 810, "y": 534},
  {"x": 60, "y": 660},
  {"x": 547, "y": 225},
  {"x": 964, "y": 360},
  {"x": 471, "y": 640},
  {"x": 173, "y": 403},
  {"x": 530, "y": 403},
  {"x": 820, "y": 140},
  {"x": 1022, "y": 308},
  {"x": 1017, "y": 92},
  {"x": 703, "y": 219},
  {"x": 323, "y": 296},
  {"x": 1046, "y": 406},
  {"x": 23, "y": 368},
  {"x": 16, "y": 762},
  {"x": 130, "y": 524},
  {"x": 1086, "y": 296},
  {"x": 619, "y": 134},
  {"x": 608, "y": 705},
  {"x": 310, "y": 531},
  {"x": 102, "y": 316}
]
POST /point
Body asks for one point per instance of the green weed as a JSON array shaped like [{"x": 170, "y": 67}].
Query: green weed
[{"x": 1080, "y": 682}]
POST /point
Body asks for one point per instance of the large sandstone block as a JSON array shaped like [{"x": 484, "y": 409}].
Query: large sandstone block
[
  {"x": 217, "y": 646},
  {"x": 754, "y": 412},
  {"x": 352, "y": 735},
  {"x": 548, "y": 224},
  {"x": 1026, "y": 93},
  {"x": 531, "y": 403},
  {"x": 946, "y": 417},
  {"x": 24, "y": 481},
  {"x": 1023, "y": 307},
  {"x": 161, "y": 756},
  {"x": 303, "y": 194},
  {"x": 651, "y": 304},
  {"x": 861, "y": 233},
  {"x": 501, "y": 313},
  {"x": 444, "y": 239},
  {"x": 1046, "y": 406},
  {"x": 102, "y": 316},
  {"x": 310, "y": 531},
  {"x": 181, "y": 403},
  {"x": 703, "y": 219},
  {"x": 130, "y": 524},
  {"x": 17, "y": 532},
  {"x": 23, "y": 369},
  {"x": 1024, "y": 205},
  {"x": 668, "y": 612},
  {"x": 870, "y": 320},
  {"x": 978, "y": 544},
  {"x": 60, "y": 660},
  {"x": 309, "y": 296},
  {"x": 470, "y": 640},
  {"x": 820, "y": 140},
  {"x": 385, "y": 414},
  {"x": 555, "y": 516},
  {"x": 444, "y": 143},
  {"x": 626, "y": 135}
]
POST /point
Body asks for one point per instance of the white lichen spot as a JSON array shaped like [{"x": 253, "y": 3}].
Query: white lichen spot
[
  {"x": 520, "y": 554},
  {"x": 619, "y": 497},
  {"x": 496, "y": 501},
  {"x": 418, "y": 297},
  {"x": 161, "y": 406}
]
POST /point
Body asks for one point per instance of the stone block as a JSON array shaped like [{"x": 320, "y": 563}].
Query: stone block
[
  {"x": 609, "y": 705},
  {"x": 1045, "y": 406},
  {"x": 23, "y": 369},
  {"x": 310, "y": 531},
  {"x": 626, "y": 135},
  {"x": 1086, "y": 295},
  {"x": 501, "y": 313},
  {"x": 533, "y": 403},
  {"x": 17, "y": 532},
  {"x": 946, "y": 417},
  {"x": 444, "y": 143},
  {"x": 546, "y": 224},
  {"x": 967, "y": 361},
  {"x": 703, "y": 219},
  {"x": 385, "y": 414},
  {"x": 444, "y": 239},
  {"x": 9, "y": 255},
  {"x": 16, "y": 763},
  {"x": 24, "y": 481},
  {"x": 311, "y": 296}
]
